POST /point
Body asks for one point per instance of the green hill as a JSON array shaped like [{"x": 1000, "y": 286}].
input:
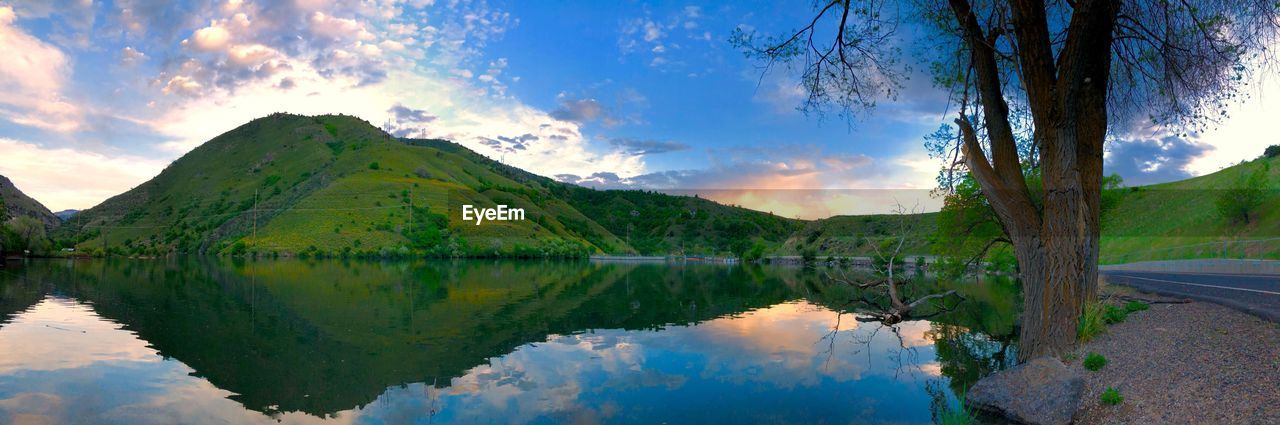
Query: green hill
[
  {"x": 1181, "y": 219},
  {"x": 336, "y": 185}
]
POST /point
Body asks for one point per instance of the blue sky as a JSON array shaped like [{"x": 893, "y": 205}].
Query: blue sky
[{"x": 100, "y": 96}]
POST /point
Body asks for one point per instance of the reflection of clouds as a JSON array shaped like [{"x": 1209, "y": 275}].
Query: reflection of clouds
[
  {"x": 62, "y": 363},
  {"x": 751, "y": 364},
  {"x": 39, "y": 338},
  {"x": 581, "y": 377}
]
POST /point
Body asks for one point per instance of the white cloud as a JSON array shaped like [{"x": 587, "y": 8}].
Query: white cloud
[
  {"x": 130, "y": 56},
  {"x": 65, "y": 178},
  {"x": 211, "y": 38},
  {"x": 31, "y": 80}
]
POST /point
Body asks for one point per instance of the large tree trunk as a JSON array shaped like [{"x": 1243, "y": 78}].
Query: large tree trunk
[{"x": 1057, "y": 245}]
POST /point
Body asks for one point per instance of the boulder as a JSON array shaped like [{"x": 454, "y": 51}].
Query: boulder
[{"x": 1041, "y": 391}]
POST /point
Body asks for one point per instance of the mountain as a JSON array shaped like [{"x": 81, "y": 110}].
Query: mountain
[
  {"x": 337, "y": 185},
  {"x": 14, "y": 203},
  {"x": 65, "y": 215}
]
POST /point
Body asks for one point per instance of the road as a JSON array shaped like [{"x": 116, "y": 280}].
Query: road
[{"x": 1258, "y": 294}]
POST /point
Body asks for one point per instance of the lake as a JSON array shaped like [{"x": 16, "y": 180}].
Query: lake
[{"x": 204, "y": 340}]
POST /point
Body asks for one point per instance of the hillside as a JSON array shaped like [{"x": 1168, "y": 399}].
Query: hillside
[
  {"x": 14, "y": 203},
  {"x": 854, "y": 235},
  {"x": 336, "y": 185},
  {"x": 1181, "y": 220}
]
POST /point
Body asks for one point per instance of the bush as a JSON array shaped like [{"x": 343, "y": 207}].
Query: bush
[
  {"x": 1272, "y": 151},
  {"x": 374, "y": 165},
  {"x": 808, "y": 255},
  {"x": 1094, "y": 361},
  {"x": 1134, "y": 306},
  {"x": 1237, "y": 202},
  {"x": 1111, "y": 397},
  {"x": 1113, "y": 314}
]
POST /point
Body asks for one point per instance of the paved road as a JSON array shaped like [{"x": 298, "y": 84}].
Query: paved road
[{"x": 1258, "y": 294}]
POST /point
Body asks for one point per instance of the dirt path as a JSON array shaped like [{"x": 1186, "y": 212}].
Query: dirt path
[{"x": 1185, "y": 363}]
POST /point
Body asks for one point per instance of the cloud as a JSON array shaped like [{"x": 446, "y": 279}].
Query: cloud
[
  {"x": 647, "y": 147},
  {"x": 130, "y": 56},
  {"x": 645, "y": 34},
  {"x": 32, "y": 77},
  {"x": 406, "y": 114},
  {"x": 579, "y": 110},
  {"x": 1142, "y": 161},
  {"x": 65, "y": 178}
]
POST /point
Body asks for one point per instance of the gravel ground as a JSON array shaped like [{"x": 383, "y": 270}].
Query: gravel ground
[{"x": 1185, "y": 363}]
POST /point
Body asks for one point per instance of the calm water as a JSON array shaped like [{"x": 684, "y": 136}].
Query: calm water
[{"x": 217, "y": 341}]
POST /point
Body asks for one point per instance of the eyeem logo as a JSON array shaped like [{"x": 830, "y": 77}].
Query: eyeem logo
[{"x": 501, "y": 213}]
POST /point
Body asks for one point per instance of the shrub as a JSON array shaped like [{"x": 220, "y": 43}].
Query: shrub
[
  {"x": 374, "y": 165},
  {"x": 1094, "y": 361},
  {"x": 1237, "y": 202},
  {"x": 807, "y": 256},
  {"x": 1111, "y": 397},
  {"x": 1112, "y": 314},
  {"x": 1133, "y": 306},
  {"x": 1272, "y": 151},
  {"x": 1091, "y": 322}
]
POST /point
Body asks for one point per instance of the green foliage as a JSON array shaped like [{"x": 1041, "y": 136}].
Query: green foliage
[
  {"x": 756, "y": 252},
  {"x": 1092, "y": 322},
  {"x": 956, "y": 415},
  {"x": 1238, "y": 201},
  {"x": 1271, "y": 151},
  {"x": 808, "y": 255},
  {"x": 1094, "y": 361},
  {"x": 1112, "y": 314},
  {"x": 1135, "y": 306},
  {"x": 373, "y": 165},
  {"x": 1111, "y": 397}
]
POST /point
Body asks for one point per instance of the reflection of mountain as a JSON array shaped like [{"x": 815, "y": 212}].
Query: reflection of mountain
[{"x": 321, "y": 337}]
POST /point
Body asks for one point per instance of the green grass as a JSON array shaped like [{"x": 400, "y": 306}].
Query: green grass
[
  {"x": 1179, "y": 220},
  {"x": 1136, "y": 306},
  {"x": 1111, "y": 397},
  {"x": 956, "y": 416},
  {"x": 1112, "y": 314},
  {"x": 1094, "y": 361},
  {"x": 1092, "y": 322}
]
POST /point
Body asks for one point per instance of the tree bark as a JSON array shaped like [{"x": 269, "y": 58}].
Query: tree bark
[{"x": 1057, "y": 246}]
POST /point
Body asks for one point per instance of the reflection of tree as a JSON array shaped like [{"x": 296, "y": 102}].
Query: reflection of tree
[
  {"x": 971, "y": 339},
  {"x": 324, "y": 336},
  {"x": 882, "y": 290},
  {"x": 966, "y": 356}
]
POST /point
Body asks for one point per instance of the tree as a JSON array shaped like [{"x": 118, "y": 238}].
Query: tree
[
  {"x": 29, "y": 230},
  {"x": 887, "y": 276},
  {"x": 1245, "y": 195},
  {"x": 1272, "y": 151},
  {"x": 1036, "y": 85}
]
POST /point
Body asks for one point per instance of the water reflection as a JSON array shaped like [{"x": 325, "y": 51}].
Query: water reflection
[{"x": 300, "y": 342}]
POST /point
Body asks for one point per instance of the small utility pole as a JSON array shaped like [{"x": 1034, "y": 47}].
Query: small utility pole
[{"x": 255, "y": 218}]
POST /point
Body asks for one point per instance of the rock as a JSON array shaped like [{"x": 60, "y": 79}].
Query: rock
[{"x": 1041, "y": 391}]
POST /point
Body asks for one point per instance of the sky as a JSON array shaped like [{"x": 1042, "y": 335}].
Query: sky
[{"x": 97, "y": 97}]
